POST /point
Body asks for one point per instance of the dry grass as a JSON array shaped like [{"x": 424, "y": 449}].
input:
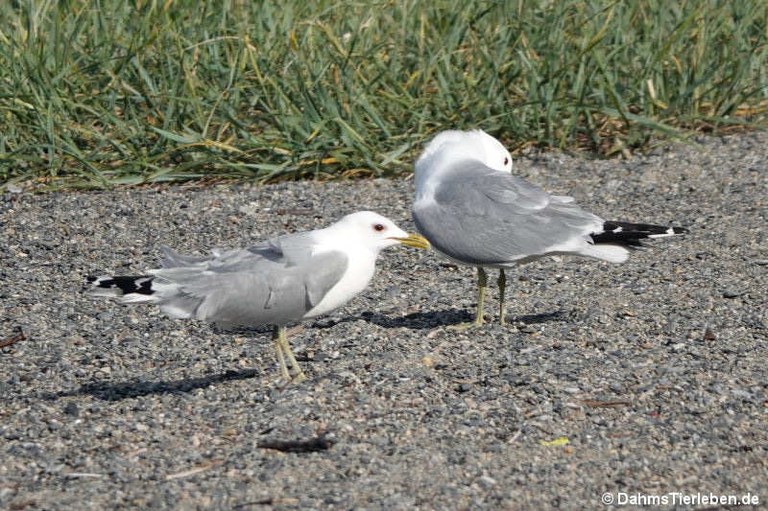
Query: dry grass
[{"x": 96, "y": 94}]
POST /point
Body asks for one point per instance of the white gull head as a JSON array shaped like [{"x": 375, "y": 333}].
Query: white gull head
[
  {"x": 451, "y": 146},
  {"x": 371, "y": 232}
]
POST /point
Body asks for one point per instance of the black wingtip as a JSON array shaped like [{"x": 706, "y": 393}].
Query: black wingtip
[
  {"x": 140, "y": 284},
  {"x": 632, "y": 235}
]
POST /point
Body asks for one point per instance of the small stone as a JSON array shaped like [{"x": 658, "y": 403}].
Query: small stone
[
  {"x": 463, "y": 387},
  {"x": 71, "y": 409},
  {"x": 486, "y": 482}
]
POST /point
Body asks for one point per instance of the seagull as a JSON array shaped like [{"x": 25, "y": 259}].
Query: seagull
[
  {"x": 474, "y": 211},
  {"x": 276, "y": 282}
]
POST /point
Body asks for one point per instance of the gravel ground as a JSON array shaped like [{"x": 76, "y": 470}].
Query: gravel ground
[{"x": 644, "y": 378}]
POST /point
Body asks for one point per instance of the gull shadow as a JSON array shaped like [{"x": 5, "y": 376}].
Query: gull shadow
[
  {"x": 419, "y": 320},
  {"x": 109, "y": 391},
  {"x": 414, "y": 321},
  {"x": 435, "y": 319},
  {"x": 542, "y": 317}
]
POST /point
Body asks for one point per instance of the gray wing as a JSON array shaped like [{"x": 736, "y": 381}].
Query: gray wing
[
  {"x": 290, "y": 249},
  {"x": 265, "y": 284},
  {"x": 485, "y": 217}
]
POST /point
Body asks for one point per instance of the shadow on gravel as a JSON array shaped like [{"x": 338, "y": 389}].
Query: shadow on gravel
[
  {"x": 415, "y": 321},
  {"x": 429, "y": 320},
  {"x": 543, "y": 317},
  {"x": 418, "y": 320},
  {"x": 137, "y": 388}
]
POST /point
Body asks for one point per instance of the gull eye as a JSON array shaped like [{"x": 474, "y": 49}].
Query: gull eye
[
  {"x": 506, "y": 160},
  {"x": 378, "y": 227}
]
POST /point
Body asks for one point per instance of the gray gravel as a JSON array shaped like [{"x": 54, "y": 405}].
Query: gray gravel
[{"x": 654, "y": 371}]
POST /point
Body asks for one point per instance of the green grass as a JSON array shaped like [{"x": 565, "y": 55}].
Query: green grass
[{"x": 99, "y": 93}]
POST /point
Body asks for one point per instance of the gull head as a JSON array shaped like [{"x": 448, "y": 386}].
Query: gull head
[
  {"x": 449, "y": 147},
  {"x": 376, "y": 232},
  {"x": 455, "y": 145}
]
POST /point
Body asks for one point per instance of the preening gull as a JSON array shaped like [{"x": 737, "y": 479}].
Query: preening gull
[
  {"x": 277, "y": 282},
  {"x": 474, "y": 211}
]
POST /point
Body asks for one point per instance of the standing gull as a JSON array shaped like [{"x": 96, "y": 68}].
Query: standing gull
[
  {"x": 277, "y": 282},
  {"x": 473, "y": 210}
]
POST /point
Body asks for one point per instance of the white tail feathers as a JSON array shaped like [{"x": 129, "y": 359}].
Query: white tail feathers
[{"x": 610, "y": 253}]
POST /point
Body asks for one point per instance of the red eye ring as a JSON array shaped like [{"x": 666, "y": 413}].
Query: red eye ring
[{"x": 378, "y": 227}]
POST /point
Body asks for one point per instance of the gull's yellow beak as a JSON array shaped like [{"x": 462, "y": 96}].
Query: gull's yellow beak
[{"x": 414, "y": 240}]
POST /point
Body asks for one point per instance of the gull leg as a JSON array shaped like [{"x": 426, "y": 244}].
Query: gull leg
[
  {"x": 502, "y": 282},
  {"x": 277, "y": 335},
  {"x": 482, "y": 283},
  {"x": 299, "y": 375}
]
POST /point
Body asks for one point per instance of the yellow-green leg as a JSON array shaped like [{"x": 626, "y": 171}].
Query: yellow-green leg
[
  {"x": 502, "y": 282},
  {"x": 482, "y": 284},
  {"x": 283, "y": 350},
  {"x": 277, "y": 334}
]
